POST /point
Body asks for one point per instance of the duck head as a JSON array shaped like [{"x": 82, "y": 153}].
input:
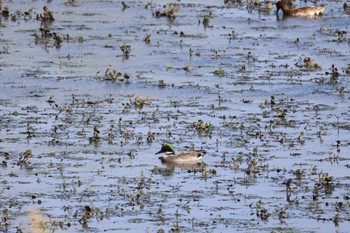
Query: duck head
[
  {"x": 281, "y": 5},
  {"x": 166, "y": 148}
]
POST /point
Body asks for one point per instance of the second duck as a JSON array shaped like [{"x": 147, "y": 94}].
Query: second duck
[
  {"x": 308, "y": 11},
  {"x": 187, "y": 157}
]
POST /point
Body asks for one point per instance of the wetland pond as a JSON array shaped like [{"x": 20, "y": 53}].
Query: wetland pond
[{"x": 91, "y": 89}]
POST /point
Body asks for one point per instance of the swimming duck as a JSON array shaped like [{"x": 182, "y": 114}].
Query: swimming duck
[
  {"x": 309, "y": 11},
  {"x": 187, "y": 157}
]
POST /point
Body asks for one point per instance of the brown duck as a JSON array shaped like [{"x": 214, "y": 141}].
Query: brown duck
[{"x": 308, "y": 11}]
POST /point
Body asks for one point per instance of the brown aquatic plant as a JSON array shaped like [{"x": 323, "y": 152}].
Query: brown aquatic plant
[
  {"x": 334, "y": 73},
  {"x": 112, "y": 75},
  {"x": 86, "y": 215},
  {"x": 138, "y": 102},
  {"x": 38, "y": 224},
  {"x": 125, "y": 50},
  {"x": 46, "y": 16},
  {"x": 147, "y": 38},
  {"x": 5, "y": 12},
  {"x": 161, "y": 83},
  {"x": 150, "y": 137},
  {"x": 202, "y": 128},
  {"x": 96, "y": 135},
  {"x": 307, "y": 63},
  {"x": 220, "y": 72},
  {"x": 205, "y": 21},
  {"x": 24, "y": 157},
  {"x": 169, "y": 12},
  {"x": 261, "y": 212},
  {"x": 58, "y": 40}
]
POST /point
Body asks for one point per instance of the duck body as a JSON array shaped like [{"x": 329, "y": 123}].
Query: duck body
[
  {"x": 309, "y": 11},
  {"x": 187, "y": 157}
]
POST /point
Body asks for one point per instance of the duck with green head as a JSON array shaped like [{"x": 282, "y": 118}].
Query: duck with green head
[{"x": 187, "y": 157}]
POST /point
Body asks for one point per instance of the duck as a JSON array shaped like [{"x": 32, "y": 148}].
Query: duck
[
  {"x": 186, "y": 157},
  {"x": 308, "y": 11}
]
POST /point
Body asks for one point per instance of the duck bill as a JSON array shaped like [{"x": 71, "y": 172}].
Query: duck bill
[
  {"x": 277, "y": 10},
  {"x": 159, "y": 152}
]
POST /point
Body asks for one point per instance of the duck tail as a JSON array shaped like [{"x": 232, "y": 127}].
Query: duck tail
[{"x": 202, "y": 152}]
